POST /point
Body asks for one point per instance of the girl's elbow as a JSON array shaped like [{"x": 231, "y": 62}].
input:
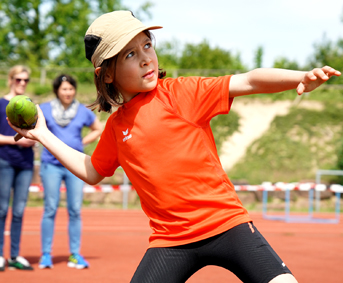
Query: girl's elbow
[{"x": 93, "y": 181}]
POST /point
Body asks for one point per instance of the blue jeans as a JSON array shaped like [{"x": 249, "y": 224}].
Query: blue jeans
[
  {"x": 19, "y": 179},
  {"x": 52, "y": 177}
]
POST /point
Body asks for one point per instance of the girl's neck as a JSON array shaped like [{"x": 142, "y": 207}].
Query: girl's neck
[{"x": 127, "y": 99}]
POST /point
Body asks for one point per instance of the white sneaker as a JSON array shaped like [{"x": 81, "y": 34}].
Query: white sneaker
[
  {"x": 19, "y": 263},
  {"x": 2, "y": 263}
]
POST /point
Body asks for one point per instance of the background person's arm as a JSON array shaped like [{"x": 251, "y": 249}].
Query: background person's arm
[
  {"x": 9, "y": 140},
  {"x": 96, "y": 130}
]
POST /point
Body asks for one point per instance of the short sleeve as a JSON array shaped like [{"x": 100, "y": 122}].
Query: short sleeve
[
  {"x": 90, "y": 117},
  {"x": 105, "y": 155},
  {"x": 199, "y": 99}
]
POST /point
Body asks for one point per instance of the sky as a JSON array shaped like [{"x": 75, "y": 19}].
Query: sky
[{"x": 284, "y": 28}]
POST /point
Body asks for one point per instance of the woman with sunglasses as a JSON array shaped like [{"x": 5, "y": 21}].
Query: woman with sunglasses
[{"x": 16, "y": 171}]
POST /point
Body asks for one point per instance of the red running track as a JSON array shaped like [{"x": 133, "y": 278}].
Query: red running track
[{"x": 114, "y": 241}]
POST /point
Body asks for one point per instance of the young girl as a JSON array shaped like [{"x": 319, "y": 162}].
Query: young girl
[{"x": 162, "y": 138}]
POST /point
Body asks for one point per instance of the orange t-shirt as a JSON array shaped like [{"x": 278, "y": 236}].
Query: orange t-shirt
[{"x": 163, "y": 141}]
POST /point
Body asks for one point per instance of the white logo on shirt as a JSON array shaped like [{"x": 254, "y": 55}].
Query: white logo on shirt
[{"x": 126, "y": 137}]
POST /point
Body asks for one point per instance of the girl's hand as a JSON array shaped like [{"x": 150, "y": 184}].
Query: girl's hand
[
  {"x": 35, "y": 133},
  {"x": 315, "y": 78}
]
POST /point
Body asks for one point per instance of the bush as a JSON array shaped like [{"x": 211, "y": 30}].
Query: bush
[{"x": 41, "y": 89}]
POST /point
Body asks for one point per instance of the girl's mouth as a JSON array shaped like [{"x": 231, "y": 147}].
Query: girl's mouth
[{"x": 149, "y": 75}]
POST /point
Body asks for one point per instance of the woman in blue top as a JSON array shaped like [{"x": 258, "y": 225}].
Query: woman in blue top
[
  {"x": 65, "y": 117},
  {"x": 16, "y": 171}
]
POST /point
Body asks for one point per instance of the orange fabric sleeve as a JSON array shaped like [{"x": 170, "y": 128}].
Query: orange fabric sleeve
[
  {"x": 105, "y": 156},
  {"x": 199, "y": 99}
]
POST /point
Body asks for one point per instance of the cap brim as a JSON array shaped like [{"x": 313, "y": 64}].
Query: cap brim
[{"x": 120, "y": 45}]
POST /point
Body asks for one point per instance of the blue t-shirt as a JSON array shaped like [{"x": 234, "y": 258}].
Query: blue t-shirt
[
  {"x": 70, "y": 134},
  {"x": 16, "y": 156}
]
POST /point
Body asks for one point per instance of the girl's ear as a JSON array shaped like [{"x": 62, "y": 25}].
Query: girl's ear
[
  {"x": 108, "y": 76},
  {"x": 97, "y": 71}
]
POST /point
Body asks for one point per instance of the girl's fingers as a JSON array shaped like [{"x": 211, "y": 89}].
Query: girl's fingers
[
  {"x": 321, "y": 73},
  {"x": 300, "y": 89},
  {"x": 329, "y": 71}
]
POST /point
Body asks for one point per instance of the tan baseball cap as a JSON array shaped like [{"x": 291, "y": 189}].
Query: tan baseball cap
[{"x": 110, "y": 33}]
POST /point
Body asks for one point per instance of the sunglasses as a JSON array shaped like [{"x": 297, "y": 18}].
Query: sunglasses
[{"x": 18, "y": 81}]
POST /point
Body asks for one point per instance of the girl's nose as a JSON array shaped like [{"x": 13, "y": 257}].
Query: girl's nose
[{"x": 146, "y": 61}]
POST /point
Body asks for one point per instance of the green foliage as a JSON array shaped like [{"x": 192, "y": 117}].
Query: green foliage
[
  {"x": 39, "y": 89},
  {"x": 223, "y": 126},
  {"x": 259, "y": 57},
  {"x": 331, "y": 54},
  {"x": 22, "y": 38},
  {"x": 340, "y": 161},
  {"x": 50, "y": 33},
  {"x": 284, "y": 63},
  {"x": 168, "y": 54},
  {"x": 89, "y": 148},
  {"x": 197, "y": 60},
  {"x": 3, "y": 84},
  {"x": 202, "y": 56},
  {"x": 67, "y": 32}
]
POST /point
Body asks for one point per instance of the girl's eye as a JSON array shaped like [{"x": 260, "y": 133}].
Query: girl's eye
[
  {"x": 129, "y": 55},
  {"x": 147, "y": 46}
]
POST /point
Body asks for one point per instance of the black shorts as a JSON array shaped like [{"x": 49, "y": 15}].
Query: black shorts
[{"x": 242, "y": 250}]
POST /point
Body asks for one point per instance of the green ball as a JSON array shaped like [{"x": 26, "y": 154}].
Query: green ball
[{"x": 22, "y": 112}]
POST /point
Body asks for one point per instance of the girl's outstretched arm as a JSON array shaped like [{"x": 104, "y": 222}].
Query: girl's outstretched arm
[
  {"x": 76, "y": 162},
  {"x": 276, "y": 80}
]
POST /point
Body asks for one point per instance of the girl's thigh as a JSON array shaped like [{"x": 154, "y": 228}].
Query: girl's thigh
[
  {"x": 245, "y": 252},
  {"x": 241, "y": 250},
  {"x": 167, "y": 265}
]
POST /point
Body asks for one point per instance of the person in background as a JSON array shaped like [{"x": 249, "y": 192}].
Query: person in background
[
  {"x": 16, "y": 171},
  {"x": 65, "y": 117}
]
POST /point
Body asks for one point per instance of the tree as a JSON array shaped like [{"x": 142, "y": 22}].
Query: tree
[
  {"x": 202, "y": 56},
  {"x": 50, "y": 32},
  {"x": 284, "y": 63},
  {"x": 23, "y": 35},
  {"x": 331, "y": 54},
  {"x": 168, "y": 54},
  {"x": 67, "y": 32},
  {"x": 259, "y": 57}
]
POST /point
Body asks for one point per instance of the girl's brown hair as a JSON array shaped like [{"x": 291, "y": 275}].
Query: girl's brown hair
[{"x": 107, "y": 94}]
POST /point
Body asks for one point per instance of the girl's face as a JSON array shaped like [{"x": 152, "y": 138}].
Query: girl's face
[
  {"x": 19, "y": 83},
  {"x": 136, "y": 67},
  {"x": 66, "y": 93}
]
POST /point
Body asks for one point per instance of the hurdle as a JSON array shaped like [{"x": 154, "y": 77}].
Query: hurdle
[
  {"x": 319, "y": 174},
  {"x": 311, "y": 188}
]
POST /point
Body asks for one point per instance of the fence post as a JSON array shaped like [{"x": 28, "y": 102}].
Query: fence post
[{"x": 42, "y": 76}]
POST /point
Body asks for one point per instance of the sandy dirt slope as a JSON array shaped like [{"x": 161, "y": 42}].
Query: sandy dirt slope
[{"x": 256, "y": 117}]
